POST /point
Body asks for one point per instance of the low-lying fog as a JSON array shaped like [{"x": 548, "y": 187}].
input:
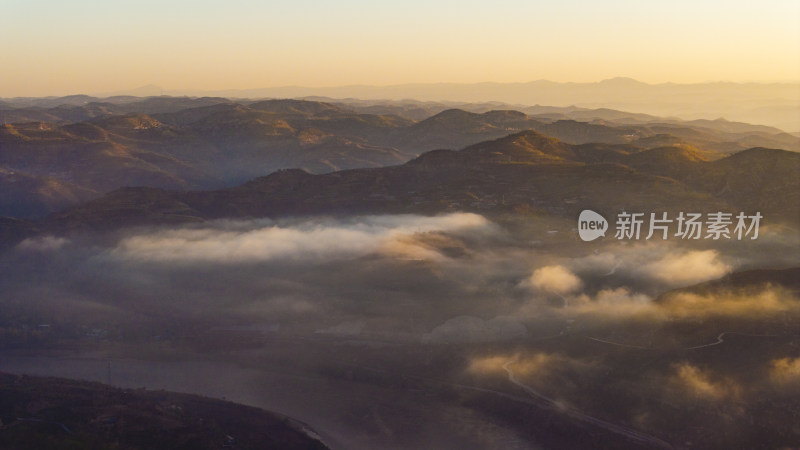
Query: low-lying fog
[{"x": 259, "y": 301}]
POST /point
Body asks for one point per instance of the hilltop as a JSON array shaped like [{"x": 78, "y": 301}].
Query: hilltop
[{"x": 51, "y": 412}]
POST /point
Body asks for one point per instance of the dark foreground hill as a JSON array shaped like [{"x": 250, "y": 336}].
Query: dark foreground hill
[{"x": 54, "y": 413}]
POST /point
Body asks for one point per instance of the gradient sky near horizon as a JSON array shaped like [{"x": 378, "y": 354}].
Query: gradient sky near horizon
[{"x": 59, "y": 47}]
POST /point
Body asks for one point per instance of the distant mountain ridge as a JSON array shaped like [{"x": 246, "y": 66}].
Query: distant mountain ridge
[{"x": 774, "y": 104}]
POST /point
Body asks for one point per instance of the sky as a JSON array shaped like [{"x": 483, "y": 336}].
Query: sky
[{"x": 61, "y": 47}]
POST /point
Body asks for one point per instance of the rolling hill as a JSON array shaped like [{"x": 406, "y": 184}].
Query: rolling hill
[
  {"x": 39, "y": 412},
  {"x": 522, "y": 173},
  {"x": 84, "y": 147}
]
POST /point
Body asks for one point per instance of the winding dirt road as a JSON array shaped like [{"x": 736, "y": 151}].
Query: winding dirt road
[
  {"x": 720, "y": 339},
  {"x": 574, "y": 413}
]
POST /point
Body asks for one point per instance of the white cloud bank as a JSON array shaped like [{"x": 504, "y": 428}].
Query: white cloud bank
[
  {"x": 666, "y": 265},
  {"x": 237, "y": 242},
  {"x": 686, "y": 268}
]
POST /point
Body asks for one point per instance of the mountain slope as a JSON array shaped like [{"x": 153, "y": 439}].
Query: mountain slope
[
  {"x": 210, "y": 143},
  {"x": 525, "y": 172},
  {"x": 39, "y": 412}
]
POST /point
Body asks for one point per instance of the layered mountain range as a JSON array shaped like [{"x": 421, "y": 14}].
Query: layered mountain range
[
  {"x": 52, "y": 157},
  {"x": 523, "y": 173}
]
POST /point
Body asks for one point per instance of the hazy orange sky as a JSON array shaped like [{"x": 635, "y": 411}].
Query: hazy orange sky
[{"x": 59, "y": 47}]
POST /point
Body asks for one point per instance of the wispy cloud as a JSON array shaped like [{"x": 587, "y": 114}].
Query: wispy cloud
[{"x": 699, "y": 383}]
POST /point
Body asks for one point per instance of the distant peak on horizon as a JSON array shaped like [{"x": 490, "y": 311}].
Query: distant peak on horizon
[
  {"x": 508, "y": 92},
  {"x": 618, "y": 81},
  {"x": 147, "y": 90},
  {"x": 154, "y": 90},
  {"x": 624, "y": 81}
]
